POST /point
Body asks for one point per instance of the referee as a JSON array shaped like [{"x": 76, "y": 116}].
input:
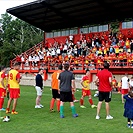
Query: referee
[{"x": 66, "y": 83}]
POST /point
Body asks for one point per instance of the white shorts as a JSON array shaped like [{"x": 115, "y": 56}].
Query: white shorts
[{"x": 39, "y": 91}]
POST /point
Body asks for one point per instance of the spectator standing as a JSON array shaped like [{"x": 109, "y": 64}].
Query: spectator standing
[
  {"x": 30, "y": 59},
  {"x": 41, "y": 55},
  {"x": 65, "y": 49},
  {"x": 131, "y": 46},
  {"x": 66, "y": 83},
  {"x": 37, "y": 60},
  {"x": 71, "y": 38},
  {"x": 125, "y": 86},
  {"x": 104, "y": 78},
  {"x": 58, "y": 51},
  {"x": 39, "y": 88}
]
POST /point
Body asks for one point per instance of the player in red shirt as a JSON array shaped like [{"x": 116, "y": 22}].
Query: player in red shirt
[
  {"x": 104, "y": 77},
  {"x": 2, "y": 87}
]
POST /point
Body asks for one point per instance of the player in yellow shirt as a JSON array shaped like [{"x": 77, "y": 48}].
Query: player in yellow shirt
[
  {"x": 2, "y": 88},
  {"x": 14, "y": 90},
  {"x": 86, "y": 90}
]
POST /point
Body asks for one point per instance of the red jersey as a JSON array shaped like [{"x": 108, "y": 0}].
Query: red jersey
[
  {"x": 120, "y": 56},
  {"x": 122, "y": 43},
  {"x": 124, "y": 55},
  {"x": 114, "y": 81},
  {"x": 2, "y": 76},
  {"x": 103, "y": 77},
  {"x": 18, "y": 59},
  {"x": 94, "y": 49}
]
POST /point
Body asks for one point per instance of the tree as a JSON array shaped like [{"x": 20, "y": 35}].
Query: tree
[{"x": 16, "y": 36}]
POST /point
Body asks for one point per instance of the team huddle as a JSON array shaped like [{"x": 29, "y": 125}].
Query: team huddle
[{"x": 63, "y": 89}]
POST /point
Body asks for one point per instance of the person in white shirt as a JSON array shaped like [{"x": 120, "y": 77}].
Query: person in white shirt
[
  {"x": 65, "y": 49},
  {"x": 30, "y": 59},
  {"x": 53, "y": 53},
  {"x": 22, "y": 61},
  {"x": 48, "y": 52},
  {"x": 41, "y": 55},
  {"x": 69, "y": 52},
  {"x": 131, "y": 82},
  {"x": 71, "y": 38},
  {"x": 125, "y": 86},
  {"x": 33, "y": 60},
  {"x": 58, "y": 51},
  {"x": 36, "y": 60},
  {"x": 22, "y": 58}
]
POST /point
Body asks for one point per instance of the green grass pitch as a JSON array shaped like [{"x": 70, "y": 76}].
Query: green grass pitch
[{"x": 31, "y": 120}]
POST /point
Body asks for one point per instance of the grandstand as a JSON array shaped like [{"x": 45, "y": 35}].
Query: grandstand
[{"x": 83, "y": 47}]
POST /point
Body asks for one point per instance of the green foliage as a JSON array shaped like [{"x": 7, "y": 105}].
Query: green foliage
[
  {"x": 114, "y": 26},
  {"x": 31, "y": 120},
  {"x": 16, "y": 36}
]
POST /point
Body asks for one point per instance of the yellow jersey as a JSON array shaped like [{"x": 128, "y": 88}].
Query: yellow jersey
[
  {"x": 86, "y": 82},
  {"x": 12, "y": 80}
]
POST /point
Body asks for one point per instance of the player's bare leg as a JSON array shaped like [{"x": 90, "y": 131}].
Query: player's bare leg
[
  {"x": 8, "y": 105},
  {"x": 122, "y": 99},
  {"x": 98, "y": 110},
  {"x": 91, "y": 102},
  {"x": 107, "y": 108},
  {"x": 38, "y": 99},
  {"x": 14, "y": 106},
  {"x": 58, "y": 104},
  {"x": 108, "y": 111},
  {"x": 38, "y": 105}
]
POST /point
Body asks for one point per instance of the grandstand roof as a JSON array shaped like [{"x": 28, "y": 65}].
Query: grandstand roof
[{"x": 61, "y": 14}]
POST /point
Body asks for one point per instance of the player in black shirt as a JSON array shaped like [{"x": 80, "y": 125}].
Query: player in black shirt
[{"x": 39, "y": 88}]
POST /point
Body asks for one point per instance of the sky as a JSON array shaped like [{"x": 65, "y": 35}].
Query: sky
[{"x": 5, "y": 4}]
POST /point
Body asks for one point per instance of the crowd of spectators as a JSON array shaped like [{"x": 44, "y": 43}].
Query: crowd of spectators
[{"x": 91, "y": 50}]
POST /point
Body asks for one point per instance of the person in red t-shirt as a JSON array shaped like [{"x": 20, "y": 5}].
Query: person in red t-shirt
[{"x": 104, "y": 77}]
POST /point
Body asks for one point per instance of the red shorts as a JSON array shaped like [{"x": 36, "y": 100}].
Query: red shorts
[
  {"x": 2, "y": 92},
  {"x": 86, "y": 92},
  {"x": 124, "y": 91},
  {"x": 14, "y": 93}
]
